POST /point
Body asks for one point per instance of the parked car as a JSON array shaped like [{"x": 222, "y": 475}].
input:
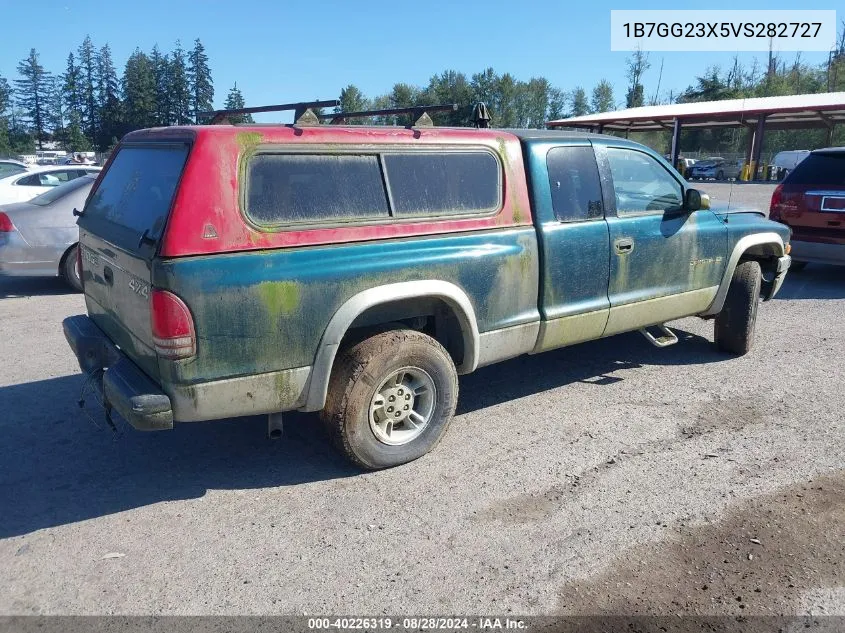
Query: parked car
[
  {"x": 356, "y": 271},
  {"x": 39, "y": 238},
  {"x": 785, "y": 162},
  {"x": 717, "y": 168},
  {"x": 36, "y": 180},
  {"x": 811, "y": 202},
  {"x": 9, "y": 167}
]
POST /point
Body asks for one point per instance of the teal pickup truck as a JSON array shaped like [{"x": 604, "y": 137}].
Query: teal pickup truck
[{"x": 357, "y": 271}]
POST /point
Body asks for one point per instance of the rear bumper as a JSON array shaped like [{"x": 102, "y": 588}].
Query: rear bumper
[
  {"x": 148, "y": 406},
  {"x": 818, "y": 252},
  {"x": 126, "y": 388}
]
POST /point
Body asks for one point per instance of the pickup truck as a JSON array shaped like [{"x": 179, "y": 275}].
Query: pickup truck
[{"x": 358, "y": 270}]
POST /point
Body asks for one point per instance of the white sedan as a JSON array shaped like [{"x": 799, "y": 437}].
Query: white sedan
[{"x": 36, "y": 180}]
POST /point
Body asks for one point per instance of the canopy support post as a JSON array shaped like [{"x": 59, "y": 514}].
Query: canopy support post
[{"x": 676, "y": 142}]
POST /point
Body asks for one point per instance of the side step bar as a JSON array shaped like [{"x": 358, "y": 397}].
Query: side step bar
[{"x": 668, "y": 338}]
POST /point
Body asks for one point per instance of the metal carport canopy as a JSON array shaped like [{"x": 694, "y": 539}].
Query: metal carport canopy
[{"x": 821, "y": 110}]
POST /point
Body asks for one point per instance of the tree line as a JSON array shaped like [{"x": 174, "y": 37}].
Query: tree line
[
  {"x": 90, "y": 106},
  {"x": 511, "y": 102}
]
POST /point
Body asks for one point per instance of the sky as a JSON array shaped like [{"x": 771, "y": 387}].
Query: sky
[{"x": 284, "y": 50}]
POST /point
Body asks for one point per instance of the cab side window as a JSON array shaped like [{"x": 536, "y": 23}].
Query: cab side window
[
  {"x": 574, "y": 183},
  {"x": 641, "y": 184}
]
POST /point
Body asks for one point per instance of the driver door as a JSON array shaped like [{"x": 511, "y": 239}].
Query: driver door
[{"x": 665, "y": 262}]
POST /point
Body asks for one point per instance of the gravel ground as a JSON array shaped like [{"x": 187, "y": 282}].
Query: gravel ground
[{"x": 610, "y": 477}]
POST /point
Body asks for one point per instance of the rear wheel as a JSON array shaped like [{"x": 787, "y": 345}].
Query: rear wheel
[
  {"x": 720, "y": 175},
  {"x": 734, "y": 325},
  {"x": 391, "y": 398},
  {"x": 68, "y": 270}
]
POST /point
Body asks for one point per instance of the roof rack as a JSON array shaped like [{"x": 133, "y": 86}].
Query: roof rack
[
  {"x": 303, "y": 113},
  {"x": 419, "y": 114}
]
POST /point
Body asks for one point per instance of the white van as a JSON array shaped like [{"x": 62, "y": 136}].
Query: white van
[{"x": 786, "y": 161}]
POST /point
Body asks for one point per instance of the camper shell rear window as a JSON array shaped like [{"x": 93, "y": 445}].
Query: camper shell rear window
[{"x": 133, "y": 199}]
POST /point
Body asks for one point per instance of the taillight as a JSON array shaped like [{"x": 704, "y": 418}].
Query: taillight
[
  {"x": 6, "y": 225},
  {"x": 774, "y": 207},
  {"x": 173, "y": 326}
]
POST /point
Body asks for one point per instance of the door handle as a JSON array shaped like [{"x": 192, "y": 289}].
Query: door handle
[{"x": 623, "y": 245}]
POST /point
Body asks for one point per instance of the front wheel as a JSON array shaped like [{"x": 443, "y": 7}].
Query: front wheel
[
  {"x": 720, "y": 175},
  {"x": 391, "y": 398},
  {"x": 734, "y": 325}
]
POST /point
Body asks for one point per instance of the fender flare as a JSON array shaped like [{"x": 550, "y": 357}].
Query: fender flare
[
  {"x": 739, "y": 249},
  {"x": 455, "y": 297}
]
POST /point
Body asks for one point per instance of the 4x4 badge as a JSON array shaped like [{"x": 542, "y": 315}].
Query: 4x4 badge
[{"x": 209, "y": 232}]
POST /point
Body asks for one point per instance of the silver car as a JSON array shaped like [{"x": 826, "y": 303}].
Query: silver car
[
  {"x": 717, "y": 168},
  {"x": 39, "y": 238}
]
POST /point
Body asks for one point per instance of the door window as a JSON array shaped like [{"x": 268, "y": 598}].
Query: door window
[{"x": 641, "y": 184}]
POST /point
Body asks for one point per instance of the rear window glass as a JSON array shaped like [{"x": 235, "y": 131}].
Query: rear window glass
[
  {"x": 434, "y": 183},
  {"x": 819, "y": 169},
  {"x": 314, "y": 188},
  {"x": 136, "y": 193}
]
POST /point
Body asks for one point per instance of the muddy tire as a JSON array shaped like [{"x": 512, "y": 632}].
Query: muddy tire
[
  {"x": 68, "y": 270},
  {"x": 734, "y": 325},
  {"x": 391, "y": 398}
]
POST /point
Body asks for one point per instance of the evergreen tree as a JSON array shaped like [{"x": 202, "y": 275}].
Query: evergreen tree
[
  {"x": 352, "y": 100},
  {"x": 603, "y": 100},
  {"x": 504, "y": 106},
  {"x": 33, "y": 93},
  {"x": 580, "y": 106},
  {"x": 139, "y": 92},
  {"x": 73, "y": 138},
  {"x": 557, "y": 104},
  {"x": 485, "y": 88},
  {"x": 533, "y": 105},
  {"x": 108, "y": 100},
  {"x": 200, "y": 82},
  {"x": 21, "y": 140},
  {"x": 160, "y": 65},
  {"x": 178, "y": 87},
  {"x": 404, "y": 96},
  {"x": 450, "y": 86},
  {"x": 74, "y": 100},
  {"x": 88, "y": 73},
  {"x": 55, "y": 108},
  {"x": 234, "y": 101},
  {"x": 5, "y": 102}
]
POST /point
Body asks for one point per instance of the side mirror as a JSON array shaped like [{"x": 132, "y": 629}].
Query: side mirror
[{"x": 695, "y": 200}]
